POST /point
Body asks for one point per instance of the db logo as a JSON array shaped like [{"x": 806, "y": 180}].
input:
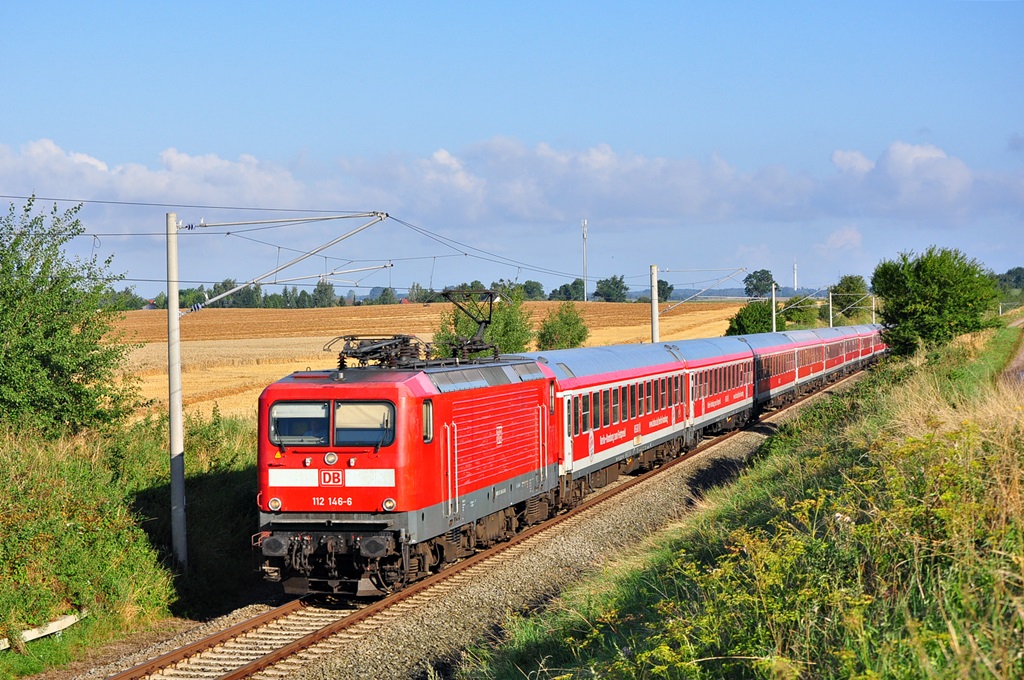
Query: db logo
[{"x": 332, "y": 478}]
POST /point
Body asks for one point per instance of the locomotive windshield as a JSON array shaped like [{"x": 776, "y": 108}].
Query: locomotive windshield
[
  {"x": 304, "y": 423},
  {"x": 361, "y": 423},
  {"x": 356, "y": 423}
]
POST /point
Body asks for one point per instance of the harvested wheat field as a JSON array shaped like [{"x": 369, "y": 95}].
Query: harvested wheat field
[{"x": 230, "y": 355}]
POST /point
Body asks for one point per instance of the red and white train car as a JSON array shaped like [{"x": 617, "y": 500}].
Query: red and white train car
[{"x": 373, "y": 476}]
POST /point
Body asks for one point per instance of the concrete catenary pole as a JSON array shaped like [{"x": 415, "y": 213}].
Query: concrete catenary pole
[
  {"x": 655, "y": 329},
  {"x": 773, "y": 307},
  {"x": 178, "y": 534}
]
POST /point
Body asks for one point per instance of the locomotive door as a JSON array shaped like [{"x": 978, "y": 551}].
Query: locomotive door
[{"x": 450, "y": 492}]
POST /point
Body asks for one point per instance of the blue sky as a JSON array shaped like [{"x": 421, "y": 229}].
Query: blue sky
[{"x": 694, "y": 136}]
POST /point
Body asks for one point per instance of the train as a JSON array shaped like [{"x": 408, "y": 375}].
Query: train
[{"x": 392, "y": 465}]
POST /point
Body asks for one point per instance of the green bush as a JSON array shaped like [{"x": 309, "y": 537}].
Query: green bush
[
  {"x": 60, "y": 366},
  {"x": 563, "y": 328}
]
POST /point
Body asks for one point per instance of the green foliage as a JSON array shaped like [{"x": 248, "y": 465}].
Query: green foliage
[
  {"x": 510, "y": 328},
  {"x": 563, "y": 328},
  {"x": 755, "y": 317},
  {"x": 612, "y": 289},
  {"x": 85, "y": 522},
  {"x": 123, "y": 300},
  {"x": 568, "y": 291},
  {"x": 418, "y": 293},
  {"x": 932, "y": 298},
  {"x": 664, "y": 290},
  {"x": 802, "y": 312},
  {"x": 851, "y": 300},
  {"x": 758, "y": 284},
  {"x": 1013, "y": 279},
  {"x": 69, "y": 538},
  {"x": 532, "y": 290},
  {"x": 60, "y": 363},
  {"x": 381, "y": 296}
]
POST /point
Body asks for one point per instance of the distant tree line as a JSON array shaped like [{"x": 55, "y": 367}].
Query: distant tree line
[{"x": 848, "y": 295}]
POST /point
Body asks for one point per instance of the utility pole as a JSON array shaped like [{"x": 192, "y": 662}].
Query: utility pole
[
  {"x": 655, "y": 330},
  {"x": 830, "y": 309},
  {"x": 178, "y": 534},
  {"x": 773, "y": 307},
  {"x": 584, "y": 225}
]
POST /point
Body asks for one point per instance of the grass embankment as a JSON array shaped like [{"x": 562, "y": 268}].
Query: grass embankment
[
  {"x": 881, "y": 535},
  {"x": 85, "y": 524}
]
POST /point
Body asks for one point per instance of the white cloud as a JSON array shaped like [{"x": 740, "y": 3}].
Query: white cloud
[
  {"x": 539, "y": 193},
  {"x": 839, "y": 243},
  {"x": 851, "y": 161}
]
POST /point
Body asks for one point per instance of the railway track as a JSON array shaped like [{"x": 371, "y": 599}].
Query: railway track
[{"x": 279, "y": 642}]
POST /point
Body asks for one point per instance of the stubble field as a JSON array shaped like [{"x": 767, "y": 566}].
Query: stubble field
[{"x": 230, "y": 355}]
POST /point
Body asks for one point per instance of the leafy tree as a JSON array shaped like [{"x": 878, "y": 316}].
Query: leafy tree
[
  {"x": 849, "y": 298},
  {"x": 758, "y": 284},
  {"x": 562, "y": 328},
  {"x": 249, "y": 297},
  {"x": 60, "y": 361},
  {"x": 160, "y": 300},
  {"x": 801, "y": 312},
  {"x": 418, "y": 293},
  {"x": 533, "y": 290},
  {"x": 664, "y": 290},
  {"x": 273, "y": 301},
  {"x": 1013, "y": 279},
  {"x": 568, "y": 291},
  {"x": 612, "y": 289},
  {"x": 123, "y": 300},
  {"x": 385, "y": 296},
  {"x": 189, "y": 297},
  {"x": 510, "y": 328},
  {"x": 304, "y": 300},
  {"x": 755, "y": 317},
  {"x": 323, "y": 294},
  {"x": 932, "y": 298}
]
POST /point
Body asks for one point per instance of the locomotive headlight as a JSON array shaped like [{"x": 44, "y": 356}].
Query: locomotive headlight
[
  {"x": 274, "y": 504},
  {"x": 331, "y": 458},
  {"x": 389, "y": 504}
]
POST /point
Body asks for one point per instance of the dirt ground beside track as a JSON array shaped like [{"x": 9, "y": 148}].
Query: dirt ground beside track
[{"x": 230, "y": 355}]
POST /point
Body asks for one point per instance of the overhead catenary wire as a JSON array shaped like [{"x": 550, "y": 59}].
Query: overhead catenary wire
[{"x": 460, "y": 248}]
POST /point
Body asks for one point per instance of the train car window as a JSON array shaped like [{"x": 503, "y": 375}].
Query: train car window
[
  {"x": 664, "y": 392},
  {"x": 586, "y": 413},
  {"x": 656, "y": 399},
  {"x": 615, "y": 406},
  {"x": 300, "y": 423},
  {"x": 649, "y": 399},
  {"x": 428, "y": 421},
  {"x": 632, "y": 400},
  {"x": 364, "y": 423},
  {"x": 606, "y": 410},
  {"x": 551, "y": 398},
  {"x": 576, "y": 415},
  {"x": 625, "y": 402},
  {"x": 596, "y": 406}
]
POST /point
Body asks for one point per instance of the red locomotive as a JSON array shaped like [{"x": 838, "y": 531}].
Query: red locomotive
[{"x": 378, "y": 474}]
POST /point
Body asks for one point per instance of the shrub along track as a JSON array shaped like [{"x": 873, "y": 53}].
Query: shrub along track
[{"x": 427, "y": 624}]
